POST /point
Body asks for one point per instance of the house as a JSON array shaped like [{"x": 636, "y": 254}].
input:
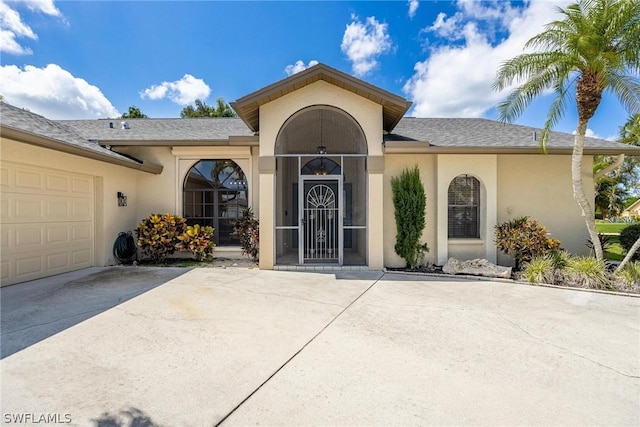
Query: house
[
  {"x": 312, "y": 154},
  {"x": 632, "y": 211}
]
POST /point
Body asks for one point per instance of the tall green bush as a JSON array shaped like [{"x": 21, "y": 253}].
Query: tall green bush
[{"x": 409, "y": 201}]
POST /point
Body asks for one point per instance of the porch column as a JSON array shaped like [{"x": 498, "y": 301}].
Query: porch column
[
  {"x": 267, "y": 188},
  {"x": 375, "y": 215}
]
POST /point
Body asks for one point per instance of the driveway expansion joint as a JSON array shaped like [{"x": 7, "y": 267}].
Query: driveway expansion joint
[
  {"x": 297, "y": 352},
  {"x": 566, "y": 349}
]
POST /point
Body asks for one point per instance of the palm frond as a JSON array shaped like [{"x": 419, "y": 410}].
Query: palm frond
[{"x": 627, "y": 90}]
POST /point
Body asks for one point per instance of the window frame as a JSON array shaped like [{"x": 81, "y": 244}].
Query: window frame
[
  {"x": 468, "y": 228},
  {"x": 209, "y": 196}
]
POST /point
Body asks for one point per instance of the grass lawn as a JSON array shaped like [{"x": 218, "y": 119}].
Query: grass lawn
[
  {"x": 615, "y": 251},
  {"x": 611, "y": 227}
]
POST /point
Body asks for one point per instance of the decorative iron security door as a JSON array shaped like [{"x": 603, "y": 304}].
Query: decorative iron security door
[{"x": 322, "y": 221}]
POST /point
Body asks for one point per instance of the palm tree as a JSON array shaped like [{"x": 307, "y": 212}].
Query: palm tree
[{"x": 593, "y": 49}]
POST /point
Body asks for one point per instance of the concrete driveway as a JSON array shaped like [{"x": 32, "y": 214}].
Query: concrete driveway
[{"x": 247, "y": 347}]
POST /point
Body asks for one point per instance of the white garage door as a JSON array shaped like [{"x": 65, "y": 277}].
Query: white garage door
[{"x": 46, "y": 222}]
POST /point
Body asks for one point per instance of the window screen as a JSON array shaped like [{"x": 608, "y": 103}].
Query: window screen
[
  {"x": 215, "y": 194},
  {"x": 464, "y": 208}
]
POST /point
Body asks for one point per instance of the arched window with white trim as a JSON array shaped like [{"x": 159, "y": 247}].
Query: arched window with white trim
[
  {"x": 464, "y": 208},
  {"x": 215, "y": 193}
]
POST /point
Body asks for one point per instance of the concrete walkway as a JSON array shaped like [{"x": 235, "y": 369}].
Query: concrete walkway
[{"x": 247, "y": 347}]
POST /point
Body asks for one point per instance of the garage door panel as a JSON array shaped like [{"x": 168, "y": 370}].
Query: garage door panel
[
  {"x": 27, "y": 266},
  {"x": 47, "y": 222},
  {"x": 21, "y": 208},
  {"x": 82, "y": 186},
  {"x": 80, "y": 257},
  {"x": 4, "y": 177},
  {"x": 28, "y": 237},
  {"x": 57, "y": 183},
  {"x": 57, "y": 234},
  {"x": 57, "y": 261},
  {"x": 5, "y": 274},
  {"x": 81, "y": 232},
  {"x": 28, "y": 180},
  {"x": 80, "y": 209},
  {"x": 27, "y": 207}
]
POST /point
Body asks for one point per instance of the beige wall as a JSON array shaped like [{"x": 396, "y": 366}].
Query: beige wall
[
  {"x": 512, "y": 186},
  {"x": 394, "y": 165},
  {"x": 273, "y": 115},
  {"x": 153, "y": 191},
  {"x": 110, "y": 219},
  {"x": 539, "y": 186},
  {"x": 484, "y": 168}
]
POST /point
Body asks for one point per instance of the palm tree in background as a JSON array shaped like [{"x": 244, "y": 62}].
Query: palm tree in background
[{"x": 593, "y": 49}]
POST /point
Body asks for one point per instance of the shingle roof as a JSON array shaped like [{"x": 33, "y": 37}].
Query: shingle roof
[
  {"x": 200, "y": 129},
  {"x": 447, "y": 133},
  {"x": 25, "y": 121},
  {"x": 484, "y": 133}
]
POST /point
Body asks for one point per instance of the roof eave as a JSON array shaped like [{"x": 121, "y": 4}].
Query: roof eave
[
  {"x": 423, "y": 147},
  {"x": 246, "y": 106},
  {"x": 231, "y": 140},
  {"x": 54, "y": 144}
]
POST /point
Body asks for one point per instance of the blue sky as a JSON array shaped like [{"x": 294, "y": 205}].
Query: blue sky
[{"x": 94, "y": 59}]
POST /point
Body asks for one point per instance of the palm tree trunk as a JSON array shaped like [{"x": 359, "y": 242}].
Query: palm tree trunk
[
  {"x": 578, "y": 188},
  {"x": 632, "y": 251}
]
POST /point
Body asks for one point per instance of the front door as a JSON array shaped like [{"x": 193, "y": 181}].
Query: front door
[{"x": 320, "y": 237}]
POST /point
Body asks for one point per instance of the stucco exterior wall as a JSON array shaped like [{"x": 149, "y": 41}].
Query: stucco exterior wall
[
  {"x": 110, "y": 219},
  {"x": 153, "y": 189},
  {"x": 539, "y": 186},
  {"x": 368, "y": 114},
  {"x": 394, "y": 165},
  {"x": 272, "y": 117},
  {"x": 484, "y": 168},
  {"x": 155, "y": 193}
]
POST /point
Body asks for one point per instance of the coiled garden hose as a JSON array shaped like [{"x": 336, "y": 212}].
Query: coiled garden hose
[{"x": 124, "y": 248}]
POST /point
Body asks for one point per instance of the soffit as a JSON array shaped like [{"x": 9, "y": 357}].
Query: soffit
[{"x": 393, "y": 107}]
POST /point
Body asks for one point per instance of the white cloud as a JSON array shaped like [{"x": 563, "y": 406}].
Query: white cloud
[
  {"x": 47, "y": 7},
  {"x": 591, "y": 134},
  {"x": 299, "y": 66},
  {"x": 183, "y": 92},
  {"x": 12, "y": 26},
  {"x": 455, "y": 79},
  {"x": 364, "y": 42},
  {"x": 443, "y": 26},
  {"x": 413, "y": 7},
  {"x": 53, "y": 92}
]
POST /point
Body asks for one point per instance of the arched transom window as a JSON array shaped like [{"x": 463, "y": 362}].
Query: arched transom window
[
  {"x": 215, "y": 193},
  {"x": 464, "y": 208}
]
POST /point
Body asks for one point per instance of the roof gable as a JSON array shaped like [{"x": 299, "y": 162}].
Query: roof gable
[
  {"x": 635, "y": 205},
  {"x": 393, "y": 106}
]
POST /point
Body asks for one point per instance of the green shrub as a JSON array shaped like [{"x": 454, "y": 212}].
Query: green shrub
[
  {"x": 628, "y": 237},
  {"x": 198, "y": 241},
  {"x": 630, "y": 276},
  {"x": 540, "y": 269},
  {"x": 587, "y": 272},
  {"x": 524, "y": 239},
  {"x": 157, "y": 235},
  {"x": 248, "y": 228},
  {"x": 409, "y": 201}
]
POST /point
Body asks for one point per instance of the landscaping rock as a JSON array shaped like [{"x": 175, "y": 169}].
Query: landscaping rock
[{"x": 476, "y": 267}]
